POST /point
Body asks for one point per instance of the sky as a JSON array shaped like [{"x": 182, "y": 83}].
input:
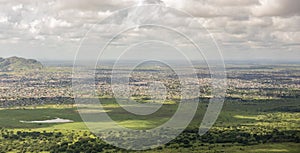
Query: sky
[{"x": 243, "y": 29}]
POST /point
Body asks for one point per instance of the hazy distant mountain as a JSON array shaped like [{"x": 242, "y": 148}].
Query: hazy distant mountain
[{"x": 19, "y": 64}]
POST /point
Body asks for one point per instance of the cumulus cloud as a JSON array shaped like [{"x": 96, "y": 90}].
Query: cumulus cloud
[
  {"x": 277, "y": 8},
  {"x": 244, "y": 25},
  {"x": 97, "y": 5},
  {"x": 230, "y": 3}
]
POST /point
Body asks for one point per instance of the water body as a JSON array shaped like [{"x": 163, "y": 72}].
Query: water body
[{"x": 57, "y": 120}]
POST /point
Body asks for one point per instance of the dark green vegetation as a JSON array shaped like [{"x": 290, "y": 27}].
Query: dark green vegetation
[
  {"x": 262, "y": 126},
  {"x": 19, "y": 64}
]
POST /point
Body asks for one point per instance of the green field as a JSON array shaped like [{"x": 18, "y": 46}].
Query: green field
[{"x": 262, "y": 126}]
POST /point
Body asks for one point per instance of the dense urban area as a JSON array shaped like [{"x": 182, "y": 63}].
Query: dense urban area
[{"x": 54, "y": 84}]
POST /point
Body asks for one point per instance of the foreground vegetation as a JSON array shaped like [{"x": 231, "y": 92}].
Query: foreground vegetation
[{"x": 256, "y": 126}]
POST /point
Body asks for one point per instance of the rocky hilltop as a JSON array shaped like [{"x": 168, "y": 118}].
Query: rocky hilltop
[{"x": 19, "y": 64}]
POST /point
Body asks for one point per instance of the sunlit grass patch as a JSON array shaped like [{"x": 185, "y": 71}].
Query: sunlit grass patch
[
  {"x": 270, "y": 150},
  {"x": 245, "y": 117},
  {"x": 67, "y": 126},
  {"x": 136, "y": 124},
  {"x": 141, "y": 124}
]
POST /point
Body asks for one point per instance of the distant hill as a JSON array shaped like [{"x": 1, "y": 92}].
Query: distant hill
[{"x": 19, "y": 64}]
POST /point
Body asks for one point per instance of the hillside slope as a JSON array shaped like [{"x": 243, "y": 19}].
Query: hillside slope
[{"x": 19, "y": 64}]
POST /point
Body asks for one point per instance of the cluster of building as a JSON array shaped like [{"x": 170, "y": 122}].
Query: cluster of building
[
  {"x": 55, "y": 86},
  {"x": 40, "y": 87}
]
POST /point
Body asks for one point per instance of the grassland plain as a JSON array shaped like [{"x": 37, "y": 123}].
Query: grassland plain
[{"x": 257, "y": 126}]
